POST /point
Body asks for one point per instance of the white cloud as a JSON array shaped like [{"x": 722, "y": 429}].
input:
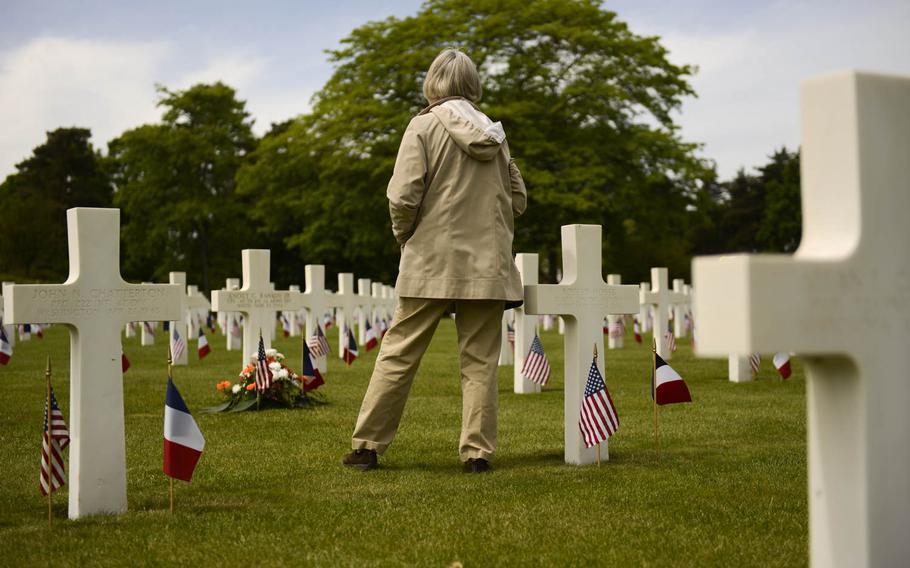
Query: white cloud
[{"x": 53, "y": 82}]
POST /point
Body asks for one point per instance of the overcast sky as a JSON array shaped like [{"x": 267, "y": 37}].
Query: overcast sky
[{"x": 95, "y": 63}]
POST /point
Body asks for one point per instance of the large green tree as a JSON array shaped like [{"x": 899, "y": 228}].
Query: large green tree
[
  {"x": 757, "y": 212},
  {"x": 175, "y": 183},
  {"x": 63, "y": 172},
  {"x": 586, "y": 103}
]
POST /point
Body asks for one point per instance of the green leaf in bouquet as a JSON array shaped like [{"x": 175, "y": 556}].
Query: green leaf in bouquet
[{"x": 244, "y": 405}]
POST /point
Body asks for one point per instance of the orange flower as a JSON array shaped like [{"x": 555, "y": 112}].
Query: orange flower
[
  {"x": 247, "y": 369},
  {"x": 251, "y": 386},
  {"x": 223, "y": 385}
]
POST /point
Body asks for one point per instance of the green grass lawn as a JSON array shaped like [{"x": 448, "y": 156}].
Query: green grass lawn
[{"x": 729, "y": 490}]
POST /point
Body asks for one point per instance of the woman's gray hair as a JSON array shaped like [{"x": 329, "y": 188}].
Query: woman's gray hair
[{"x": 452, "y": 74}]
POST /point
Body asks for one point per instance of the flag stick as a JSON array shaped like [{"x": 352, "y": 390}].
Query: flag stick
[
  {"x": 259, "y": 392},
  {"x": 170, "y": 362},
  {"x": 598, "y": 443},
  {"x": 654, "y": 393},
  {"x": 50, "y": 449}
]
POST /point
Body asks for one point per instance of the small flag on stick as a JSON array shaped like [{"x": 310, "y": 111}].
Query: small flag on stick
[
  {"x": 263, "y": 373},
  {"x": 667, "y": 387},
  {"x": 350, "y": 347},
  {"x": 203, "y": 346},
  {"x": 56, "y": 438},
  {"x": 312, "y": 378},
  {"x": 782, "y": 364},
  {"x": 636, "y": 329},
  {"x": 755, "y": 363},
  {"x": 370, "y": 336},
  {"x": 598, "y": 420},
  {"x": 178, "y": 344},
  {"x": 6, "y": 350},
  {"x": 536, "y": 367},
  {"x": 318, "y": 344}
]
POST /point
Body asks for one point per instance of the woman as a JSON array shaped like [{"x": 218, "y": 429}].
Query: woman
[{"x": 453, "y": 196}]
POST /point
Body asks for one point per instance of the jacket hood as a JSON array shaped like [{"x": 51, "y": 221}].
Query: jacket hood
[{"x": 472, "y": 130}]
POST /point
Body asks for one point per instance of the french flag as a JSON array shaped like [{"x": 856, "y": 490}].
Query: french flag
[
  {"x": 350, "y": 350},
  {"x": 370, "y": 336},
  {"x": 6, "y": 350},
  {"x": 203, "y": 345},
  {"x": 782, "y": 364},
  {"x": 183, "y": 442},
  {"x": 312, "y": 379},
  {"x": 668, "y": 386},
  {"x": 636, "y": 329}
]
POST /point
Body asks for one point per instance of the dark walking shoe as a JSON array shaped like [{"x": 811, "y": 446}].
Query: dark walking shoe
[
  {"x": 361, "y": 459},
  {"x": 476, "y": 465}
]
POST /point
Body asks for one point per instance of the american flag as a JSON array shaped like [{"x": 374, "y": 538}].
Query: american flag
[
  {"x": 285, "y": 325},
  {"x": 755, "y": 362},
  {"x": 671, "y": 341},
  {"x": 318, "y": 344},
  {"x": 510, "y": 335},
  {"x": 598, "y": 420},
  {"x": 617, "y": 330},
  {"x": 178, "y": 345},
  {"x": 52, "y": 472},
  {"x": 235, "y": 327},
  {"x": 263, "y": 373},
  {"x": 536, "y": 367}
]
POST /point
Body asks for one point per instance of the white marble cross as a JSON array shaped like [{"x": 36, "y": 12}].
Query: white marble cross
[
  {"x": 291, "y": 315},
  {"x": 659, "y": 299},
  {"x": 365, "y": 308},
  {"x": 198, "y": 307},
  {"x": 645, "y": 308},
  {"x": 7, "y": 327},
  {"x": 347, "y": 301},
  {"x": 525, "y": 325},
  {"x": 679, "y": 301},
  {"x": 506, "y": 355},
  {"x": 841, "y": 302},
  {"x": 147, "y": 329},
  {"x": 584, "y": 299},
  {"x": 179, "y": 326},
  {"x": 230, "y": 319},
  {"x": 614, "y": 341},
  {"x": 95, "y": 303},
  {"x": 390, "y": 301},
  {"x": 377, "y": 302},
  {"x": 316, "y": 299},
  {"x": 256, "y": 300}
]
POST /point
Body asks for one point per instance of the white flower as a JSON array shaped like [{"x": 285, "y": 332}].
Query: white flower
[
  {"x": 283, "y": 374},
  {"x": 275, "y": 367},
  {"x": 254, "y": 357},
  {"x": 236, "y": 388},
  {"x": 271, "y": 352}
]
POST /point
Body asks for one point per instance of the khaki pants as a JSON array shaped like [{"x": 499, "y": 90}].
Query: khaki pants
[{"x": 479, "y": 325}]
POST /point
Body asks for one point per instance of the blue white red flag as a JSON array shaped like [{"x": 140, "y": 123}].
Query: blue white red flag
[
  {"x": 183, "y": 441},
  {"x": 6, "y": 350},
  {"x": 782, "y": 364},
  {"x": 312, "y": 378},
  {"x": 203, "y": 348},
  {"x": 350, "y": 347},
  {"x": 370, "y": 336},
  {"x": 667, "y": 387}
]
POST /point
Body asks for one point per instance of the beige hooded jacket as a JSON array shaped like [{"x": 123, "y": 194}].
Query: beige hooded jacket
[{"x": 453, "y": 197}]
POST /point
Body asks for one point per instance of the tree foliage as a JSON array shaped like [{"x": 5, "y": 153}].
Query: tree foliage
[
  {"x": 756, "y": 212},
  {"x": 63, "y": 172},
  {"x": 586, "y": 103},
  {"x": 175, "y": 185}
]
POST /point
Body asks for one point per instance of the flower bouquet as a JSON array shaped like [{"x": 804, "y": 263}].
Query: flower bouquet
[{"x": 288, "y": 390}]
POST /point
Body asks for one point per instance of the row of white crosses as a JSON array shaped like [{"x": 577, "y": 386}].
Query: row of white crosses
[{"x": 259, "y": 303}]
